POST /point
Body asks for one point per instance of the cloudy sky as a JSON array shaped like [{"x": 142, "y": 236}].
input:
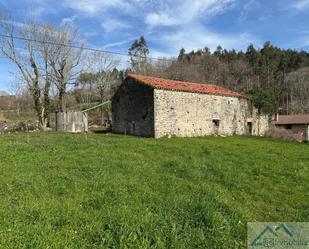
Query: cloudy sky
[{"x": 169, "y": 25}]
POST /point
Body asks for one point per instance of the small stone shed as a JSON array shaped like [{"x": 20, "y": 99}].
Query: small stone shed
[
  {"x": 298, "y": 124},
  {"x": 155, "y": 107}
]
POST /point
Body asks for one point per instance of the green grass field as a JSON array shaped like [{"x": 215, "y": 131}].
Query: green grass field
[{"x": 113, "y": 191}]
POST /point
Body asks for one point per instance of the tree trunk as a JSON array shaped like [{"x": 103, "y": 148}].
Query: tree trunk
[
  {"x": 61, "y": 99},
  {"x": 47, "y": 102},
  {"x": 42, "y": 123},
  {"x": 36, "y": 94},
  {"x": 18, "y": 109},
  {"x": 102, "y": 108},
  {"x": 102, "y": 115}
]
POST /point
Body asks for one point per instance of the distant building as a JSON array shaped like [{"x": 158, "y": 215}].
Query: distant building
[
  {"x": 298, "y": 124},
  {"x": 155, "y": 107}
]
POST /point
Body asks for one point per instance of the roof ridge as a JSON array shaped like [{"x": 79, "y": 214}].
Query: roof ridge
[
  {"x": 292, "y": 119},
  {"x": 176, "y": 81},
  {"x": 183, "y": 86}
]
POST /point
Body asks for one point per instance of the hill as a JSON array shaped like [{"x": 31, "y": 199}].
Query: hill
[{"x": 263, "y": 74}]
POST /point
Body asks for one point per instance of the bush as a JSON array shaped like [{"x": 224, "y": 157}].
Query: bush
[
  {"x": 18, "y": 126},
  {"x": 25, "y": 126},
  {"x": 284, "y": 134}
]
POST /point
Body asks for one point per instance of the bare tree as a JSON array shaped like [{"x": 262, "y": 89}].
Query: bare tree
[
  {"x": 85, "y": 88},
  {"x": 102, "y": 66},
  {"x": 64, "y": 59},
  {"x": 16, "y": 89},
  {"x": 297, "y": 100},
  {"x": 28, "y": 60}
]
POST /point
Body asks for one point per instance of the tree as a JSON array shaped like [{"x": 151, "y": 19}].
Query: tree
[
  {"x": 16, "y": 90},
  {"x": 252, "y": 55},
  {"x": 102, "y": 66},
  {"x": 266, "y": 73},
  {"x": 64, "y": 59},
  {"x": 85, "y": 88},
  {"x": 263, "y": 101},
  {"x": 218, "y": 52},
  {"x": 29, "y": 62},
  {"x": 102, "y": 74},
  {"x": 138, "y": 53},
  {"x": 182, "y": 54}
]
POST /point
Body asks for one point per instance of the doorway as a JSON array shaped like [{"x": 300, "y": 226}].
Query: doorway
[
  {"x": 216, "y": 125},
  {"x": 249, "y": 125}
]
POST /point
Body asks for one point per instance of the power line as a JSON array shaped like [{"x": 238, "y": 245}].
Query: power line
[
  {"x": 99, "y": 50},
  {"x": 85, "y": 48}
]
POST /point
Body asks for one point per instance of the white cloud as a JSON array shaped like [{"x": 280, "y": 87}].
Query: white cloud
[
  {"x": 113, "y": 25},
  {"x": 190, "y": 30},
  {"x": 185, "y": 20},
  {"x": 116, "y": 44},
  {"x": 92, "y": 7},
  {"x": 68, "y": 20},
  {"x": 193, "y": 38},
  {"x": 300, "y": 4},
  {"x": 247, "y": 8},
  {"x": 182, "y": 11},
  {"x": 156, "y": 19},
  {"x": 159, "y": 54}
]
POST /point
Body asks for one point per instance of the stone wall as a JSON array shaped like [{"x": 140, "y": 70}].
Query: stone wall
[
  {"x": 301, "y": 131},
  {"x": 185, "y": 114},
  {"x": 298, "y": 128},
  {"x": 132, "y": 109}
]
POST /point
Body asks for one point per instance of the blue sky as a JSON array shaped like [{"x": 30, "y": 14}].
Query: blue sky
[{"x": 169, "y": 25}]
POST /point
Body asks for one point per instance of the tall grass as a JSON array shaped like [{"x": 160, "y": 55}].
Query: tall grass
[{"x": 111, "y": 191}]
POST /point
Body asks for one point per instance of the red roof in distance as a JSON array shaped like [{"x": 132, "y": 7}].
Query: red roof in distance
[
  {"x": 181, "y": 86},
  {"x": 293, "y": 119}
]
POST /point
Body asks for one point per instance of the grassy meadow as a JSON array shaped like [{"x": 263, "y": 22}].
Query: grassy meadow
[{"x": 62, "y": 190}]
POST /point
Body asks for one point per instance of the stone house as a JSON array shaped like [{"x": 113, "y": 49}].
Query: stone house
[
  {"x": 297, "y": 124},
  {"x": 155, "y": 107}
]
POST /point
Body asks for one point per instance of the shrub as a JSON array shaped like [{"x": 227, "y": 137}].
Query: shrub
[
  {"x": 18, "y": 126},
  {"x": 284, "y": 134}
]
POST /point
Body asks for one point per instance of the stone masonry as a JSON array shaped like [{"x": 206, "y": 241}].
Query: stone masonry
[
  {"x": 144, "y": 110},
  {"x": 132, "y": 109},
  {"x": 185, "y": 114}
]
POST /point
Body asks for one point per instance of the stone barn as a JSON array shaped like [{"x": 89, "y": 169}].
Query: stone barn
[
  {"x": 298, "y": 124},
  {"x": 155, "y": 107}
]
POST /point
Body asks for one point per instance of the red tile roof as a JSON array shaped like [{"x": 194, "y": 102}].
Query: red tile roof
[
  {"x": 293, "y": 119},
  {"x": 181, "y": 86}
]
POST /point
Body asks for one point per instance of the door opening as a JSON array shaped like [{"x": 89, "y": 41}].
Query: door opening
[
  {"x": 216, "y": 125},
  {"x": 249, "y": 124}
]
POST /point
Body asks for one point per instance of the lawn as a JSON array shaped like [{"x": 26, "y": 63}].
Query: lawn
[{"x": 110, "y": 191}]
